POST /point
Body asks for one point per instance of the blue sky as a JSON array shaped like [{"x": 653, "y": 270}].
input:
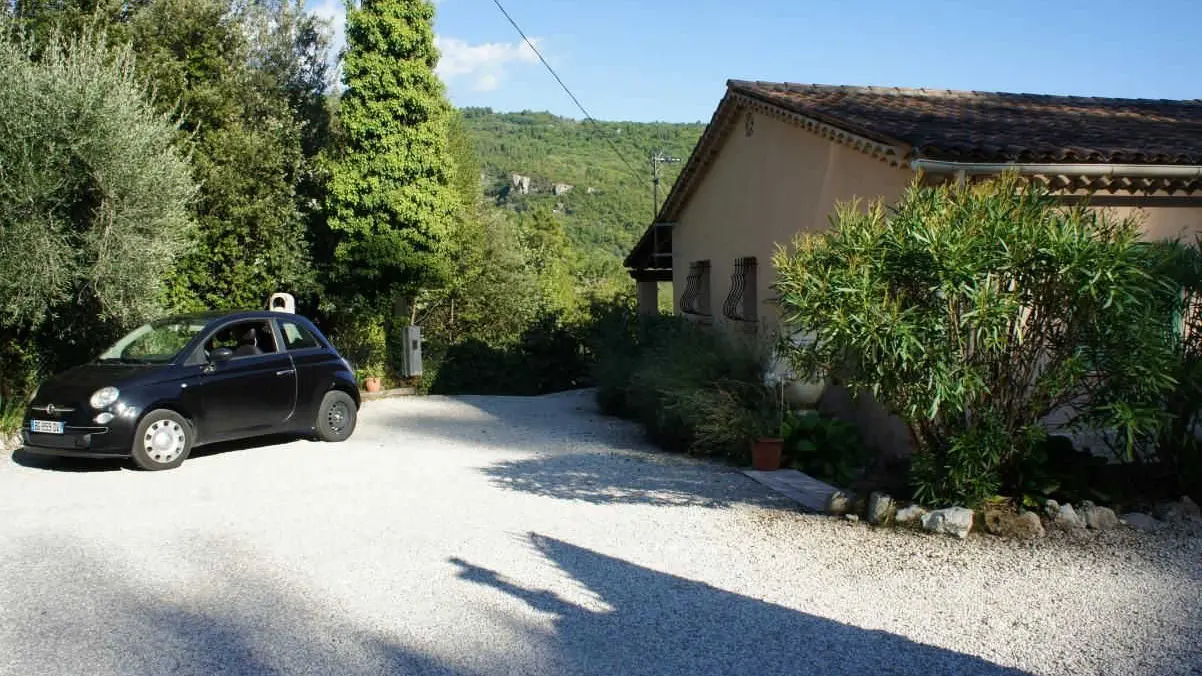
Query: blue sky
[{"x": 669, "y": 59}]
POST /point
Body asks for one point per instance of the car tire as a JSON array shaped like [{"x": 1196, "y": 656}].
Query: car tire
[
  {"x": 163, "y": 441},
  {"x": 336, "y": 417}
]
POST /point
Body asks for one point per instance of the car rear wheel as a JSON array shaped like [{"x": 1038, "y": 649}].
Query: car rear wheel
[
  {"x": 162, "y": 441},
  {"x": 336, "y": 417}
]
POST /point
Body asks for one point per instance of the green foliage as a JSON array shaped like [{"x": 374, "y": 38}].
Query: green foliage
[
  {"x": 93, "y": 203},
  {"x": 391, "y": 204},
  {"x": 549, "y": 357},
  {"x": 609, "y": 205},
  {"x": 1177, "y": 445},
  {"x": 974, "y": 313},
  {"x": 727, "y": 416},
  {"x": 660, "y": 370},
  {"x": 826, "y": 448},
  {"x": 248, "y": 80},
  {"x": 361, "y": 339}
]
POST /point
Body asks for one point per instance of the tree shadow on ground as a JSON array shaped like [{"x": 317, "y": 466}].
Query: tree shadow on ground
[
  {"x": 658, "y": 623},
  {"x": 78, "y": 611},
  {"x": 621, "y": 478}
]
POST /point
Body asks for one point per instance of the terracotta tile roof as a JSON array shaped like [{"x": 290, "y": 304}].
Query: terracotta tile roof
[{"x": 962, "y": 126}]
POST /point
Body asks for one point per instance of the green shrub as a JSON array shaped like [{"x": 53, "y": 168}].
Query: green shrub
[
  {"x": 361, "y": 338},
  {"x": 825, "y": 448},
  {"x": 654, "y": 370},
  {"x": 974, "y": 312},
  {"x": 727, "y": 416}
]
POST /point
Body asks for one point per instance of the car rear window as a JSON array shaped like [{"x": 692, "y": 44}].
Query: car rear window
[{"x": 297, "y": 337}]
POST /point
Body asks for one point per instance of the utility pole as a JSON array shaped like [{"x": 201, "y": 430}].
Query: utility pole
[{"x": 657, "y": 158}]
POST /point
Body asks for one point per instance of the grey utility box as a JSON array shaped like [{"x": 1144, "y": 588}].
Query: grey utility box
[{"x": 411, "y": 356}]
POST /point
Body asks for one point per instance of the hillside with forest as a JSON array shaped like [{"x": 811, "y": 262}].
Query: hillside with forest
[{"x": 595, "y": 176}]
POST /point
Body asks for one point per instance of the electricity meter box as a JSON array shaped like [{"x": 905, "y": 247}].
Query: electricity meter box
[{"x": 411, "y": 355}]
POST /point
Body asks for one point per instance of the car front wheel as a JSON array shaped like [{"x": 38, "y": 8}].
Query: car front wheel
[
  {"x": 336, "y": 416},
  {"x": 162, "y": 441}
]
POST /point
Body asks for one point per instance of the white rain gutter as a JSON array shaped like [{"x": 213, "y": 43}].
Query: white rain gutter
[{"x": 1026, "y": 169}]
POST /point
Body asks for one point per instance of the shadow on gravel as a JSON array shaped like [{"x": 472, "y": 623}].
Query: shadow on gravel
[
  {"x": 663, "y": 624},
  {"x": 55, "y": 463},
  {"x": 89, "y": 614},
  {"x": 615, "y": 478}
]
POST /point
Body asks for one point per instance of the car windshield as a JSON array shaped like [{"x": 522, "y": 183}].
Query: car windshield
[{"x": 154, "y": 343}]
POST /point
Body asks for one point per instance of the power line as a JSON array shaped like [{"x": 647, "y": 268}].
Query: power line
[{"x": 575, "y": 100}]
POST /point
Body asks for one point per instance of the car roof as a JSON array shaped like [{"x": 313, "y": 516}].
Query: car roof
[{"x": 211, "y": 316}]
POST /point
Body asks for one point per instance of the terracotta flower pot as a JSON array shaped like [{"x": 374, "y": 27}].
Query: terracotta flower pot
[
  {"x": 371, "y": 384},
  {"x": 766, "y": 454}
]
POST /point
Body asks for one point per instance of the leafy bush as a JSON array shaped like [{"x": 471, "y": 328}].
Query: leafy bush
[
  {"x": 93, "y": 203},
  {"x": 663, "y": 370},
  {"x": 974, "y": 313},
  {"x": 1177, "y": 445},
  {"x": 361, "y": 338},
  {"x": 549, "y": 357},
  {"x": 728, "y": 416},
  {"x": 825, "y": 448}
]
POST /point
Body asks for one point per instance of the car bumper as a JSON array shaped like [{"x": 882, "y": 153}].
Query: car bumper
[{"x": 80, "y": 443}]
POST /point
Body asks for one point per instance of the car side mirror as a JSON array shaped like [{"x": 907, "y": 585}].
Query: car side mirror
[{"x": 221, "y": 354}]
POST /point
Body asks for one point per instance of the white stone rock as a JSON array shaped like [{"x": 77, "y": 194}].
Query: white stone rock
[
  {"x": 1140, "y": 521},
  {"x": 838, "y": 504},
  {"x": 1027, "y": 526},
  {"x": 1190, "y": 509},
  {"x": 1051, "y": 508},
  {"x": 911, "y": 513},
  {"x": 851, "y": 517},
  {"x": 1183, "y": 510},
  {"x": 1066, "y": 517},
  {"x": 880, "y": 508},
  {"x": 1099, "y": 518},
  {"x": 953, "y": 521}
]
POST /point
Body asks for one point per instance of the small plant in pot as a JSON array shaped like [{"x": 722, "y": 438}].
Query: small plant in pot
[
  {"x": 372, "y": 377},
  {"x": 733, "y": 418}
]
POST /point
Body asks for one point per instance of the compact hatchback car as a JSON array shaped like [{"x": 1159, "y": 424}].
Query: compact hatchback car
[{"x": 188, "y": 380}]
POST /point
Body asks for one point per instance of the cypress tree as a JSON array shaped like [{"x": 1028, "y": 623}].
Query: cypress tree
[{"x": 391, "y": 204}]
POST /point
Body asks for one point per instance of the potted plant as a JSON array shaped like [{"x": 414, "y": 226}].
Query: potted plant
[
  {"x": 734, "y": 417},
  {"x": 766, "y": 418},
  {"x": 373, "y": 377}
]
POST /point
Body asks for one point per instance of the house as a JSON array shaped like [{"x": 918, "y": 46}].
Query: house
[{"x": 777, "y": 157}]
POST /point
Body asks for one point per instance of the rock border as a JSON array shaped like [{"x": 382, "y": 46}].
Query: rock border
[{"x": 1001, "y": 519}]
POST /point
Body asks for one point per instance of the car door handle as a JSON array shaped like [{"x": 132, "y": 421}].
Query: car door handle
[{"x": 285, "y": 372}]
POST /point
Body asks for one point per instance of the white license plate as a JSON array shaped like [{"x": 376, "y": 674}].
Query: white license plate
[{"x": 46, "y": 426}]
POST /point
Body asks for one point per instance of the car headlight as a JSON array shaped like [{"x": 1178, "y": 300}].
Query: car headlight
[{"x": 103, "y": 397}]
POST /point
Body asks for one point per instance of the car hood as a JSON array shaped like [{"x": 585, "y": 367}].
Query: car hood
[{"x": 82, "y": 381}]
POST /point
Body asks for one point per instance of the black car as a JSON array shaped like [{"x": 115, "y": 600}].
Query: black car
[{"x": 195, "y": 379}]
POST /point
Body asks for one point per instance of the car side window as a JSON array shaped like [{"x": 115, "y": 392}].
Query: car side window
[
  {"x": 297, "y": 337},
  {"x": 246, "y": 339}
]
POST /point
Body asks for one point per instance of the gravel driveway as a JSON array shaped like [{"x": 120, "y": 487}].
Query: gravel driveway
[{"x": 491, "y": 535}]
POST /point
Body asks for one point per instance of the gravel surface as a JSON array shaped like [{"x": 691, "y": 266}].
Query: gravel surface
[{"x": 489, "y": 535}]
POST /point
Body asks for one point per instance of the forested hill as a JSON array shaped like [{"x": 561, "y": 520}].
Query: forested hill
[{"x": 608, "y": 203}]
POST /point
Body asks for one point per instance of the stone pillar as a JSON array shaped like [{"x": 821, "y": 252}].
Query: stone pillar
[{"x": 648, "y": 299}]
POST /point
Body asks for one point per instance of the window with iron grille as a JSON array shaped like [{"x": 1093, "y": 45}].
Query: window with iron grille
[
  {"x": 696, "y": 297},
  {"x": 740, "y": 302}
]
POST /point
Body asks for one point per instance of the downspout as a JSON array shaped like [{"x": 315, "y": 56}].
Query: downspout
[{"x": 1027, "y": 169}]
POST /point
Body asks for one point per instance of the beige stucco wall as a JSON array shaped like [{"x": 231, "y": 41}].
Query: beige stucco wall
[
  {"x": 1165, "y": 222},
  {"x": 762, "y": 190}
]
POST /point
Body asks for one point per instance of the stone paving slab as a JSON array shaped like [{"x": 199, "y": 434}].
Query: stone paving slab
[{"x": 798, "y": 487}]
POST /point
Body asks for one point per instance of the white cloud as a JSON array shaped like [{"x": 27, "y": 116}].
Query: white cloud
[
  {"x": 482, "y": 66},
  {"x": 333, "y": 11}
]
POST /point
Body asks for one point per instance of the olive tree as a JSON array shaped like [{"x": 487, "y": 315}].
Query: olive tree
[{"x": 94, "y": 194}]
